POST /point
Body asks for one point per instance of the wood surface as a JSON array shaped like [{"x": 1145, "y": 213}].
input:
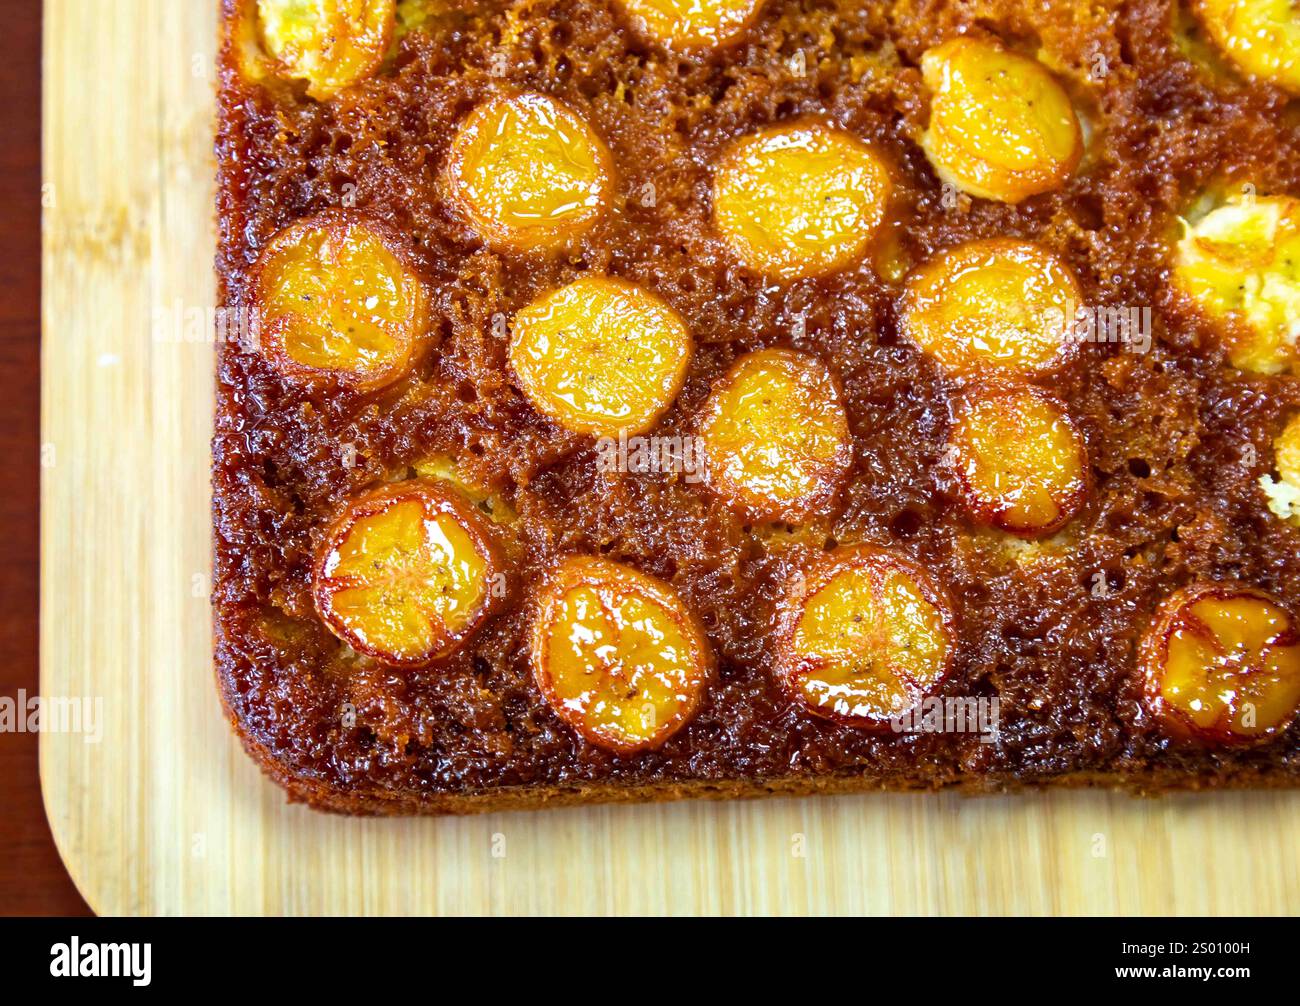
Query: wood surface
[
  {"x": 32, "y": 878},
  {"x": 166, "y": 815}
]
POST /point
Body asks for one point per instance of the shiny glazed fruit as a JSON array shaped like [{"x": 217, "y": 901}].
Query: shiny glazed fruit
[
  {"x": 330, "y": 44},
  {"x": 1222, "y": 664},
  {"x": 600, "y": 356},
  {"x": 863, "y": 637},
  {"x": 407, "y": 573},
  {"x": 617, "y": 655},
  {"x": 1262, "y": 37},
  {"x": 1242, "y": 262},
  {"x": 528, "y": 173},
  {"x": 1287, "y": 450},
  {"x": 1000, "y": 304},
  {"x": 775, "y": 435},
  {"x": 690, "y": 24},
  {"x": 335, "y": 298},
  {"x": 1001, "y": 126},
  {"x": 799, "y": 200},
  {"x": 1284, "y": 494},
  {"x": 1021, "y": 463}
]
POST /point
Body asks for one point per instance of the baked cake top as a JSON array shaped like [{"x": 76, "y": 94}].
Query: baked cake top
[{"x": 656, "y": 390}]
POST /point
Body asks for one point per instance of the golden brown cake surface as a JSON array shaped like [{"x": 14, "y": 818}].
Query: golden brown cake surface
[{"x": 391, "y": 356}]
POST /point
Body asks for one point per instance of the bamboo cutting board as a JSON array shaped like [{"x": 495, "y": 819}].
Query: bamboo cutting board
[{"x": 164, "y": 814}]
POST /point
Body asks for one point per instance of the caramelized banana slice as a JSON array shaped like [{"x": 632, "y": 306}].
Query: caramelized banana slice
[
  {"x": 799, "y": 200},
  {"x": 408, "y": 573},
  {"x": 1222, "y": 664},
  {"x": 691, "y": 24},
  {"x": 335, "y": 298},
  {"x": 1242, "y": 262},
  {"x": 600, "y": 356},
  {"x": 1021, "y": 463},
  {"x": 528, "y": 173},
  {"x": 1262, "y": 37},
  {"x": 775, "y": 436},
  {"x": 1001, "y": 127},
  {"x": 1287, "y": 450},
  {"x": 331, "y": 44},
  {"x": 617, "y": 655},
  {"x": 863, "y": 637},
  {"x": 1283, "y": 495},
  {"x": 992, "y": 304}
]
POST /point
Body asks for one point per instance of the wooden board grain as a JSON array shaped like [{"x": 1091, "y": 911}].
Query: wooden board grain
[{"x": 165, "y": 815}]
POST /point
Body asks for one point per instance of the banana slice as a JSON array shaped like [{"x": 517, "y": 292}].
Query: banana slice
[
  {"x": 1001, "y": 304},
  {"x": 1001, "y": 126},
  {"x": 1287, "y": 450},
  {"x": 408, "y": 573},
  {"x": 336, "y": 297},
  {"x": 1283, "y": 495},
  {"x": 1262, "y": 37},
  {"x": 617, "y": 655},
  {"x": 1221, "y": 664},
  {"x": 1021, "y": 463},
  {"x": 330, "y": 44},
  {"x": 1242, "y": 262},
  {"x": 600, "y": 356},
  {"x": 693, "y": 24},
  {"x": 528, "y": 173},
  {"x": 775, "y": 435},
  {"x": 863, "y": 637},
  {"x": 799, "y": 200}
]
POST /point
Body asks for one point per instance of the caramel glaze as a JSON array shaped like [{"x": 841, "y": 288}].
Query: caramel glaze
[{"x": 1176, "y": 438}]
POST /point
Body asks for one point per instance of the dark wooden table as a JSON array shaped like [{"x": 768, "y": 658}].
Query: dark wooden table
[{"x": 32, "y": 878}]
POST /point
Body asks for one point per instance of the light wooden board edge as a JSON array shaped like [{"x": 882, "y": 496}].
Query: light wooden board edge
[{"x": 166, "y": 816}]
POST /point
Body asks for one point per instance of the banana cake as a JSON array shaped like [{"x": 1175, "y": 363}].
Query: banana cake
[{"x": 643, "y": 399}]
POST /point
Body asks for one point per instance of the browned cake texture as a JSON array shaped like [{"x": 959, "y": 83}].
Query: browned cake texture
[{"x": 1085, "y": 540}]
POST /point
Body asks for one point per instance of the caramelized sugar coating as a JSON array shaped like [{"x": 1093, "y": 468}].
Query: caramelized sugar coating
[
  {"x": 775, "y": 435},
  {"x": 1001, "y": 126},
  {"x": 799, "y": 200},
  {"x": 1021, "y": 463},
  {"x": 1222, "y": 664},
  {"x": 1242, "y": 263},
  {"x": 528, "y": 173},
  {"x": 336, "y": 298},
  {"x": 994, "y": 304},
  {"x": 329, "y": 44},
  {"x": 692, "y": 24},
  {"x": 407, "y": 573},
  {"x": 1262, "y": 37},
  {"x": 864, "y": 636},
  {"x": 600, "y": 356},
  {"x": 617, "y": 654}
]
